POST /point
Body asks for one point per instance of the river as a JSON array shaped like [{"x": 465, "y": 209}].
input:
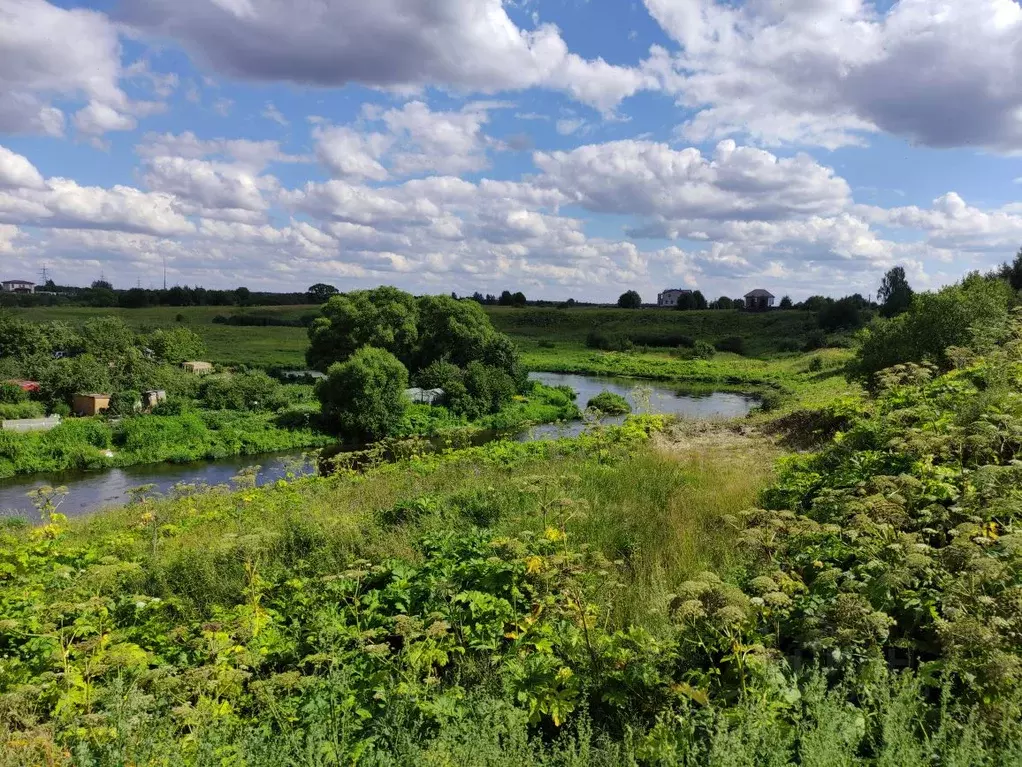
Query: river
[{"x": 91, "y": 491}]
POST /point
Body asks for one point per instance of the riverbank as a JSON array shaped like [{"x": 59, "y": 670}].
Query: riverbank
[
  {"x": 798, "y": 380},
  {"x": 551, "y": 414}
]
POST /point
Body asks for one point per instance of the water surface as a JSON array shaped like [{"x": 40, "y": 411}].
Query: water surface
[{"x": 89, "y": 491}]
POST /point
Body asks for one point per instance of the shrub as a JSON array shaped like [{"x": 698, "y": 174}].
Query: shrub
[
  {"x": 21, "y": 410},
  {"x": 788, "y": 345},
  {"x": 546, "y": 344},
  {"x": 125, "y": 402},
  {"x": 971, "y": 314},
  {"x": 12, "y": 394},
  {"x": 243, "y": 391},
  {"x": 440, "y": 374},
  {"x": 843, "y": 314},
  {"x": 770, "y": 401},
  {"x": 816, "y": 339},
  {"x": 609, "y": 403},
  {"x": 364, "y": 396},
  {"x": 733, "y": 344},
  {"x": 490, "y": 387},
  {"x": 816, "y": 365},
  {"x": 604, "y": 341},
  {"x": 703, "y": 350}
]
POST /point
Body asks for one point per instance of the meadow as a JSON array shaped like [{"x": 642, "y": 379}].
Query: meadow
[
  {"x": 275, "y": 346},
  {"x": 262, "y": 347},
  {"x": 833, "y": 581}
]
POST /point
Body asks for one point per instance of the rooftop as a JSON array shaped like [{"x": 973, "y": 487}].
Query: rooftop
[{"x": 759, "y": 293}]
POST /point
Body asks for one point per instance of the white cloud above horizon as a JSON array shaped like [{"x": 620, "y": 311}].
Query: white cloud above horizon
[{"x": 460, "y": 145}]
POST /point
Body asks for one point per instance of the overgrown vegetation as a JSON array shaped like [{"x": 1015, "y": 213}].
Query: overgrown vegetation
[
  {"x": 370, "y": 340},
  {"x": 645, "y": 594}
]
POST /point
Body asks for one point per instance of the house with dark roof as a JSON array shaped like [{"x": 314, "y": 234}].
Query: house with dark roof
[
  {"x": 670, "y": 297},
  {"x": 759, "y": 300}
]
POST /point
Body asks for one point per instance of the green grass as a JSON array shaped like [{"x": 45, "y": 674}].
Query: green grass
[
  {"x": 264, "y": 347},
  {"x": 761, "y": 333}
]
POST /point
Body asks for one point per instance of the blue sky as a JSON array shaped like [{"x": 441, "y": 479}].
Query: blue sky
[{"x": 560, "y": 147}]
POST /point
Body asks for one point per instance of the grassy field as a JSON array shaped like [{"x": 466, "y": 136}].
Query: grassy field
[
  {"x": 761, "y": 333},
  {"x": 271, "y": 346},
  {"x": 567, "y": 329}
]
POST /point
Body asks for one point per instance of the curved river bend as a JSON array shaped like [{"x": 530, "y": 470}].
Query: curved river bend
[{"x": 92, "y": 491}]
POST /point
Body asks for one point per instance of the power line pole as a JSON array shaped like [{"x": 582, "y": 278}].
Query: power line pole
[
  {"x": 45, "y": 274},
  {"x": 164, "y": 272}
]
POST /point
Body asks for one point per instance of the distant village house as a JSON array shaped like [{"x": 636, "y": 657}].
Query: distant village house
[
  {"x": 17, "y": 286},
  {"x": 670, "y": 297},
  {"x": 759, "y": 300}
]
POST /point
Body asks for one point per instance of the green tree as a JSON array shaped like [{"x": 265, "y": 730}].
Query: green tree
[
  {"x": 630, "y": 299},
  {"x": 500, "y": 352},
  {"x": 785, "y": 302},
  {"x": 840, "y": 315},
  {"x": 725, "y": 303},
  {"x": 21, "y": 339},
  {"x": 490, "y": 387},
  {"x": 973, "y": 313},
  {"x": 62, "y": 379},
  {"x": 691, "y": 301},
  {"x": 895, "y": 294},
  {"x": 107, "y": 338},
  {"x": 175, "y": 345},
  {"x": 1012, "y": 273},
  {"x": 385, "y": 318},
  {"x": 449, "y": 329},
  {"x": 320, "y": 293},
  {"x": 364, "y": 396}
]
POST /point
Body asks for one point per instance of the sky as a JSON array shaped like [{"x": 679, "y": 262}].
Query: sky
[{"x": 564, "y": 148}]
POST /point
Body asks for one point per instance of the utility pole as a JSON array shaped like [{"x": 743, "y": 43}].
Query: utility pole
[
  {"x": 45, "y": 274},
  {"x": 164, "y": 272}
]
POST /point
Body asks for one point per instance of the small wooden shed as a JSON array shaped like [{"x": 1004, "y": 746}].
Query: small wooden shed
[
  {"x": 152, "y": 398},
  {"x": 198, "y": 368},
  {"x": 90, "y": 404}
]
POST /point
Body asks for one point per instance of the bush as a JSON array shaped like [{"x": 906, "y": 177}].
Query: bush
[
  {"x": 816, "y": 339},
  {"x": 125, "y": 402},
  {"x": 770, "y": 401},
  {"x": 816, "y": 365},
  {"x": 788, "y": 345},
  {"x": 21, "y": 410},
  {"x": 12, "y": 394},
  {"x": 843, "y": 314},
  {"x": 600, "y": 339},
  {"x": 546, "y": 344},
  {"x": 609, "y": 403},
  {"x": 440, "y": 374},
  {"x": 703, "y": 350},
  {"x": 242, "y": 391},
  {"x": 971, "y": 314},
  {"x": 490, "y": 388},
  {"x": 364, "y": 397},
  {"x": 733, "y": 344}
]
